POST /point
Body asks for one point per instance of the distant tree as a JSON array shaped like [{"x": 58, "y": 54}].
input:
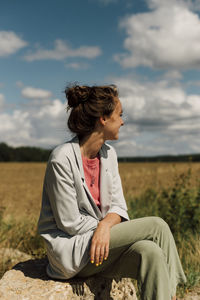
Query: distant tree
[
  {"x": 163, "y": 158},
  {"x": 31, "y": 154},
  {"x": 34, "y": 154},
  {"x": 6, "y": 152}
]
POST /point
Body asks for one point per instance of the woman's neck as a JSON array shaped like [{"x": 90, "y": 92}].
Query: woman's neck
[{"x": 90, "y": 145}]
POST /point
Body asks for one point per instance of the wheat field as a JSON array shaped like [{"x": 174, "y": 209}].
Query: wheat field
[{"x": 21, "y": 183}]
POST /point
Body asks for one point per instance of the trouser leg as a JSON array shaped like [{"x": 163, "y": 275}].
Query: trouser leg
[
  {"x": 145, "y": 261},
  {"x": 127, "y": 234},
  {"x": 154, "y": 229}
]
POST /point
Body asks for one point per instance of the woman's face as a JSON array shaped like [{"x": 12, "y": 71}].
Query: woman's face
[{"x": 113, "y": 122}]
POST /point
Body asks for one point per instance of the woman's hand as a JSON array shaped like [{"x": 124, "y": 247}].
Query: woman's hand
[{"x": 99, "y": 249}]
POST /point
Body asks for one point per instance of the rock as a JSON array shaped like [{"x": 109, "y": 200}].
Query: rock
[
  {"x": 12, "y": 256},
  {"x": 28, "y": 281},
  {"x": 192, "y": 295}
]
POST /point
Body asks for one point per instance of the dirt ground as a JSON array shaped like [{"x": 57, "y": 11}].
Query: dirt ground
[{"x": 194, "y": 295}]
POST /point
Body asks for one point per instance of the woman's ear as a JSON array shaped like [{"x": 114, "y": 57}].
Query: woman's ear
[{"x": 102, "y": 120}]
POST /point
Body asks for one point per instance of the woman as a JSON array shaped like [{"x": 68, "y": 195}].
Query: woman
[{"x": 84, "y": 219}]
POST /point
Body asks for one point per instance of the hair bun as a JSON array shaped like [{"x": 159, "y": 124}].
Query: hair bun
[{"x": 77, "y": 94}]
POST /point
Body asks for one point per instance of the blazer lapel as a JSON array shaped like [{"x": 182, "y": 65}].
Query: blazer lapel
[
  {"x": 77, "y": 152},
  {"x": 105, "y": 181}
]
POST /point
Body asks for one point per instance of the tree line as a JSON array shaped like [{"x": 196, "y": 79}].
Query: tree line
[
  {"x": 162, "y": 158},
  {"x": 35, "y": 154}
]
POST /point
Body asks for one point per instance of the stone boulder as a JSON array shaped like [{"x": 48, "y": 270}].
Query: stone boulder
[
  {"x": 28, "y": 281},
  {"x": 10, "y": 256}
]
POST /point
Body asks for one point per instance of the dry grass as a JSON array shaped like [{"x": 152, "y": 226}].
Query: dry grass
[
  {"x": 21, "y": 188},
  {"x": 137, "y": 177},
  {"x": 21, "y": 183}
]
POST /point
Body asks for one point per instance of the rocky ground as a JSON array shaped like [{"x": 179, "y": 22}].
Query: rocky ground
[
  {"x": 193, "y": 295},
  {"x": 15, "y": 256}
]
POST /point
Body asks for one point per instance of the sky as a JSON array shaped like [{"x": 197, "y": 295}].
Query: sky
[{"x": 149, "y": 48}]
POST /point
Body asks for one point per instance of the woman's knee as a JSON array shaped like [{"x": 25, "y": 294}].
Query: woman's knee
[{"x": 160, "y": 224}]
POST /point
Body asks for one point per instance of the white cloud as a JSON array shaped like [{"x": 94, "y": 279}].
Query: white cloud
[
  {"x": 34, "y": 93},
  {"x": 193, "y": 83},
  {"x": 127, "y": 3},
  {"x": 15, "y": 126},
  {"x": 106, "y": 2},
  {"x": 62, "y": 51},
  {"x": 171, "y": 75},
  {"x": 35, "y": 125},
  {"x": 19, "y": 84},
  {"x": 2, "y": 99},
  {"x": 77, "y": 65},
  {"x": 52, "y": 110},
  {"x": 10, "y": 43},
  {"x": 193, "y": 5},
  {"x": 38, "y": 122},
  {"x": 160, "y": 118},
  {"x": 148, "y": 103},
  {"x": 166, "y": 37}
]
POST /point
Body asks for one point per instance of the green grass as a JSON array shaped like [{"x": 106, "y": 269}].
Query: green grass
[
  {"x": 21, "y": 235},
  {"x": 179, "y": 206}
]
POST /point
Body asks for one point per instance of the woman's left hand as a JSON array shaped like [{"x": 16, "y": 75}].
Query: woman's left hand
[{"x": 99, "y": 249}]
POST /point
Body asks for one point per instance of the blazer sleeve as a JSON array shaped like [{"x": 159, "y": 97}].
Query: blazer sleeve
[
  {"x": 61, "y": 190},
  {"x": 118, "y": 203}
]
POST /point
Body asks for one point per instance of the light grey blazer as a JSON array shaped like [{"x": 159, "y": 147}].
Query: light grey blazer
[{"x": 69, "y": 214}]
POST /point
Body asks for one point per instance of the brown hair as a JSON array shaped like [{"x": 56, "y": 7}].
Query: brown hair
[{"x": 87, "y": 104}]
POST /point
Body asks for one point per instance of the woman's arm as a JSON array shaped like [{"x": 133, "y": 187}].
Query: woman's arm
[
  {"x": 62, "y": 194},
  {"x": 118, "y": 202},
  {"x": 99, "y": 249}
]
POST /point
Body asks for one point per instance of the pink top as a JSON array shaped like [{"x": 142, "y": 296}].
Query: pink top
[{"x": 92, "y": 170}]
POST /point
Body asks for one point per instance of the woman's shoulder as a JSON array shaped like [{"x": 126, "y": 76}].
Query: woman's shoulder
[{"x": 62, "y": 152}]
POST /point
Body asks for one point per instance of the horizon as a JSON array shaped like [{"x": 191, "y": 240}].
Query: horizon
[{"x": 119, "y": 157}]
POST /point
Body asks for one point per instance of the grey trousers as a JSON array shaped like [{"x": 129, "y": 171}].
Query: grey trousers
[{"x": 143, "y": 249}]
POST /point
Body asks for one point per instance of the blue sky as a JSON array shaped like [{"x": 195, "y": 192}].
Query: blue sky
[{"x": 150, "y": 49}]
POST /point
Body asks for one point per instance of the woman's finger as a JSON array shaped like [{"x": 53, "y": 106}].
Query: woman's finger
[
  {"x": 106, "y": 252},
  {"x": 97, "y": 255},
  {"x": 92, "y": 252},
  {"x": 101, "y": 256}
]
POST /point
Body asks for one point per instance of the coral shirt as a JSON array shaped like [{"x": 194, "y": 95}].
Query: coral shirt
[{"x": 92, "y": 171}]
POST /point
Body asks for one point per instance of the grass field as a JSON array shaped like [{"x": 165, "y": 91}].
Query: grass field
[
  {"x": 20, "y": 200},
  {"x": 21, "y": 183}
]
